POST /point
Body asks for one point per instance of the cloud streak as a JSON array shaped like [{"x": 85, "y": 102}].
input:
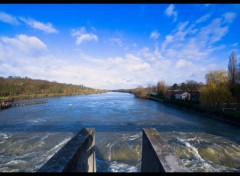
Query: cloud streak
[
  {"x": 229, "y": 16},
  {"x": 82, "y": 35},
  {"x": 170, "y": 12},
  {"x": 154, "y": 35},
  {"x": 4, "y": 17},
  {"x": 45, "y": 27},
  {"x": 203, "y": 18},
  {"x": 117, "y": 41},
  {"x": 10, "y": 19}
]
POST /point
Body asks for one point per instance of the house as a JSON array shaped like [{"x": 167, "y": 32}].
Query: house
[
  {"x": 180, "y": 95},
  {"x": 153, "y": 93}
]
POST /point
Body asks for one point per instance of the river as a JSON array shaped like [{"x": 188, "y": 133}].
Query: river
[{"x": 30, "y": 135}]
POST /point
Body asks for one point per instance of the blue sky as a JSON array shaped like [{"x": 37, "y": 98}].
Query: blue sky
[{"x": 112, "y": 46}]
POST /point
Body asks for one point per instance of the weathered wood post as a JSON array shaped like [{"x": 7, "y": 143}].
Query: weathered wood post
[
  {"x": 78, "y": 155},
  {"x": 157, "y": 156}
]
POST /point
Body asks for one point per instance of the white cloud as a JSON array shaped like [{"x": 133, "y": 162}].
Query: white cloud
[
  {"x": 82, "y": 35},
  {"x": 203, "y": 18},
  {"x": 149, "y": 56},
  {"x": 154, "y": 35},
  {"x": 171, "y": 12},
  {"x": 86, "y": 37},
  {"x": 182, "y": 31},
  {"x": 133, "y": 69},
  {"x": 186, "y": 53},
  {"x": 213, "y": 32},
  {"x": 134, "y": 45},
  {"x": 168, "y": 40},
  {"x": 109, "y": 73},
  {"x": 196, "y": 43},
  {"x": 234, "y": 44},
  {"x": 22, "y": 45},
  {"x": 117, "y": 41},
  {"x": 46, "y": 27},
  {"x": 181, "y": 63},
  {"x": 135, "y": 63},
  {"x": 229, "y": 16},
  {"x": 8, "y": 18}
]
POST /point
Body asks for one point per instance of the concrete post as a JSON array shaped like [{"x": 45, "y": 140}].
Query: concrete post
[
  {"x": 78, "y": 155},
  {"x": 157, "y": 156}
]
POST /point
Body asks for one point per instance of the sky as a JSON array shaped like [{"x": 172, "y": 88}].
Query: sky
[{"x": 117, "y": 46}]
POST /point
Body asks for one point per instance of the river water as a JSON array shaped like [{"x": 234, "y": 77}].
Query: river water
[{"x": 30, "y": 135}]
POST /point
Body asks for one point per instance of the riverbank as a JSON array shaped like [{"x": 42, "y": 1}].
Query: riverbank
[
  {"x": 232, "y": 121},
  {"x": 19, "y": 97}
]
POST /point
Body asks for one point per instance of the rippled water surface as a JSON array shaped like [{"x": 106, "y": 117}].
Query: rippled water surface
[{"x": 30, "y": 135}]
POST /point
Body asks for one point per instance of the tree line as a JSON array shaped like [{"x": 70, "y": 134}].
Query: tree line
[
  {"x": 18, "y": 87},
  {"x": 221, "y": 87}
]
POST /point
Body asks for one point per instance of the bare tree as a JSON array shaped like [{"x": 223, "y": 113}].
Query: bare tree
[
  {"x": 232, "y": 70},
  {"x": 234, "y": 77},
  {"x": 237, "y": 87}
]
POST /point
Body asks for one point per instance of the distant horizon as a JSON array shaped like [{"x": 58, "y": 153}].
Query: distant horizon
[{"x": 117, "y": 46}]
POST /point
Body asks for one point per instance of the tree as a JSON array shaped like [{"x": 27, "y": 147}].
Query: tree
[
  {"x": 174, "y": 86},
  {"x": 183, "y": 86},
  {"x": 234, "y": 77},
  {"x": 161, "y": 87},
  {"x": 192, "y": 85},
  {"x": 140, "y": 92},
  {"x": 232, "y": 70},
  {"x": 237, "y": 87},
  {"x": 216, "y": 91}
]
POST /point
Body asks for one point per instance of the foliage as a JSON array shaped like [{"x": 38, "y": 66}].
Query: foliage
[
  {"x": 29, "y": 88},
  {"x": 174, "y": 86},
  {"x": 141, "y": 92},
  {"x": 189, "y": 85},
  {"x": 192, "y": 85},
  {"x": 216, "y": 92},
  {"x": 161, "y": 87}
]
